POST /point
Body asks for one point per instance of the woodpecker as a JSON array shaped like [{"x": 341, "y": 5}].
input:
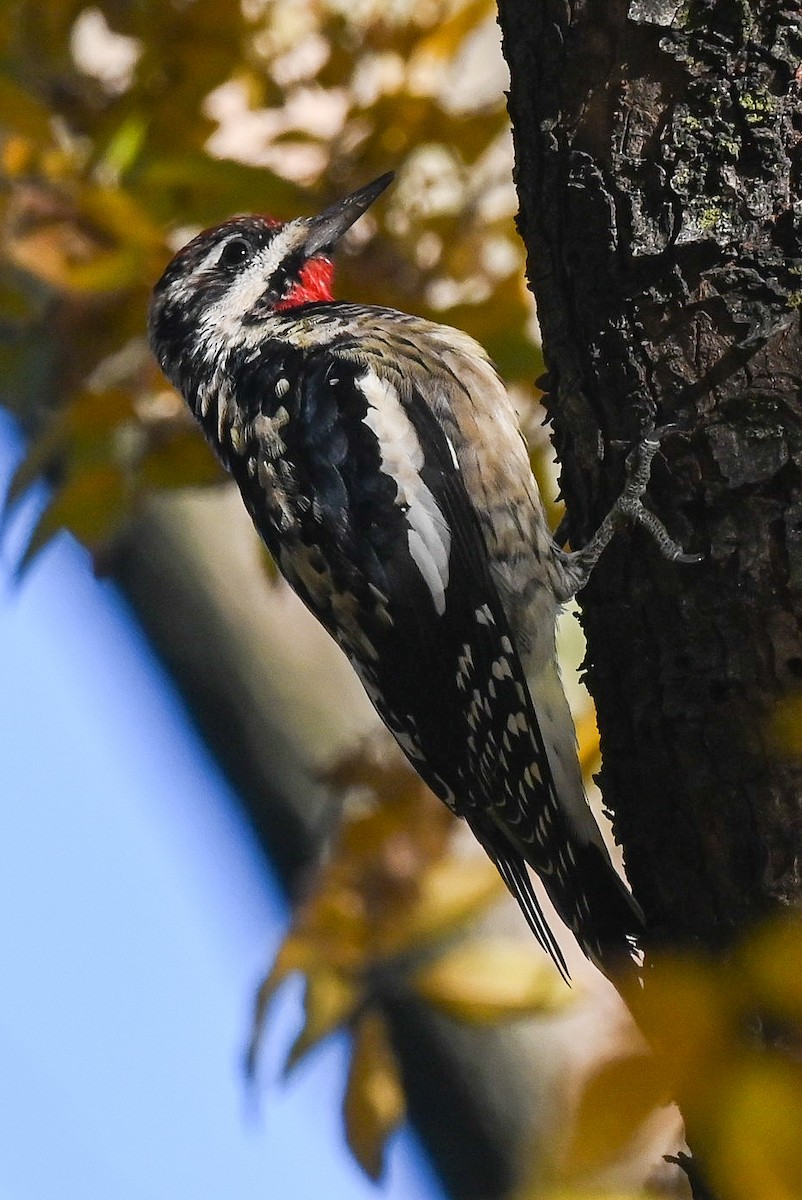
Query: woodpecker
[{"x": 380, "y": 459}]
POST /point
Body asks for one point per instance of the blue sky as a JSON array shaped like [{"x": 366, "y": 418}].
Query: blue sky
[{"x": 137, "y": 915}]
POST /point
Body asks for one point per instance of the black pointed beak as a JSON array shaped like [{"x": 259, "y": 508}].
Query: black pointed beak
[{"x": 325, "y": 230}]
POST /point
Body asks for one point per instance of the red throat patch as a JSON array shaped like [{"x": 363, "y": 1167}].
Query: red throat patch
[{"x": 314, "y": 283}]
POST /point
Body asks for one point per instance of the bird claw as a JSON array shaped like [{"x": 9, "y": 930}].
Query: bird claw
[
  {"x": 628, "y": 509},
  {"x": 630, "y": 504}
]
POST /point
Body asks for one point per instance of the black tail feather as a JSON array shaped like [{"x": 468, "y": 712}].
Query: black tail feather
[{"x": 516, "y": 876}]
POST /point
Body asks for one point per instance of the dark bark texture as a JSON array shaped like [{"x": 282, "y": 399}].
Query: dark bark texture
[{"x": 658, "y": 168}]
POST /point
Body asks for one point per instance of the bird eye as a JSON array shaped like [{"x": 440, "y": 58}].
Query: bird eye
[{"x": 234, "y": 253}]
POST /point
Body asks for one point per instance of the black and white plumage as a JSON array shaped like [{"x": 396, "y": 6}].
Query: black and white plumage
[{"x": 380, "y": 459}]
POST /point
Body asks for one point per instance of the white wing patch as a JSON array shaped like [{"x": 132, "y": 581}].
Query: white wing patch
[{"x": 429, "y": 536}]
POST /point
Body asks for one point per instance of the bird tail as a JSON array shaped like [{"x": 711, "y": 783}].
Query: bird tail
[{"x": 592, "y": 901}]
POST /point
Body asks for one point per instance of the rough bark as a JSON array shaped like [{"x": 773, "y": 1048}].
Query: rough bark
[{"x": 658, "y": 168}]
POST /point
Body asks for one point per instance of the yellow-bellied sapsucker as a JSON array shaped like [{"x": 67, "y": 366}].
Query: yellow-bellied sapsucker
[{"x": 381, "y": 461}]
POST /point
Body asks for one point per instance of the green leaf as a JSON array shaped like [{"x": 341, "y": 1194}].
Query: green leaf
[{"x": 126, "y": 144}]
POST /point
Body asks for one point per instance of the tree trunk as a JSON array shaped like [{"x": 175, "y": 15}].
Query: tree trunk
[
  {"x": 658, "y": 169},
  {"x": 658, "y": 160}
]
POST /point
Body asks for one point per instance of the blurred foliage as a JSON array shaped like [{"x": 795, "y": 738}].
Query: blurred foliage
[
  {"x": 722, "y": 1040},
  {"x": 124, "y": 128},
  {"x": 386, "y": 919}
]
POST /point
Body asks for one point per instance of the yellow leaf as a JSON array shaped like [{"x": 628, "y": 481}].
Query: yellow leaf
[
  {"x": 22, "y": 111},
  {"x": 92, "y": 415},
  {"x": 46, "y": 255},
  {"x": 117, "y": 214},
  {"x": 294, "y": 954},
  {"x": 757, "y": 1154},
  {"x": 582, "y": 1194},
  {"x": 764, "y": 962},
  {"x": 587, "y": 738},
  {"x": 489, "y": 980},
  {"x": 374, "y": 1099},
  {"x": 616, "y": 1101},
  {"x": 125, "y": 144},
  {"x": 17, "y": 156},
  {"x": 784, "y": 729},
  {"x": 450, "y": 894},
  {"x": 688, "y": 1012},
  {"x": 447, "y": 36},
  {"x": 329, "y": 1001}
]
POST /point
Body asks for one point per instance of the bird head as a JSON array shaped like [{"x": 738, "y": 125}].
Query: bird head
[{"x": 234, "y": 275}]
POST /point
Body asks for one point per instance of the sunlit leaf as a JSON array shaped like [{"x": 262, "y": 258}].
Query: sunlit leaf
[
  {"x": 294, "y": 954},
  {"x": 690, "y": 1017},
  {"x": 110, "y": 272},
  {"x": 616, "y": 1101},
  {"x": 486, "y": 980},
  {"x": 114, "y": 211},
  {"x": 764, "y": 961},
  {"x": 124, "y": 147},
  {"x": 374, "y": 1099},
  {"x": 447, "y": 36},
  {"x": 79, "y": 260},
  {"x": 335, "y": 924},
  {"x": 757, "y": 1153},
  {"x": 450, "y": 894},
  {"x": 404, "y": 806},
  {"x": 17, "y": 156},
  {"x": 329, "y": 1001}
]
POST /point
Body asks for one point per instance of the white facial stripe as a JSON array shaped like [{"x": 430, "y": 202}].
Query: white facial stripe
[
  {"x": 222, "y": 323},
  {"x": 429, "y": 537}
]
